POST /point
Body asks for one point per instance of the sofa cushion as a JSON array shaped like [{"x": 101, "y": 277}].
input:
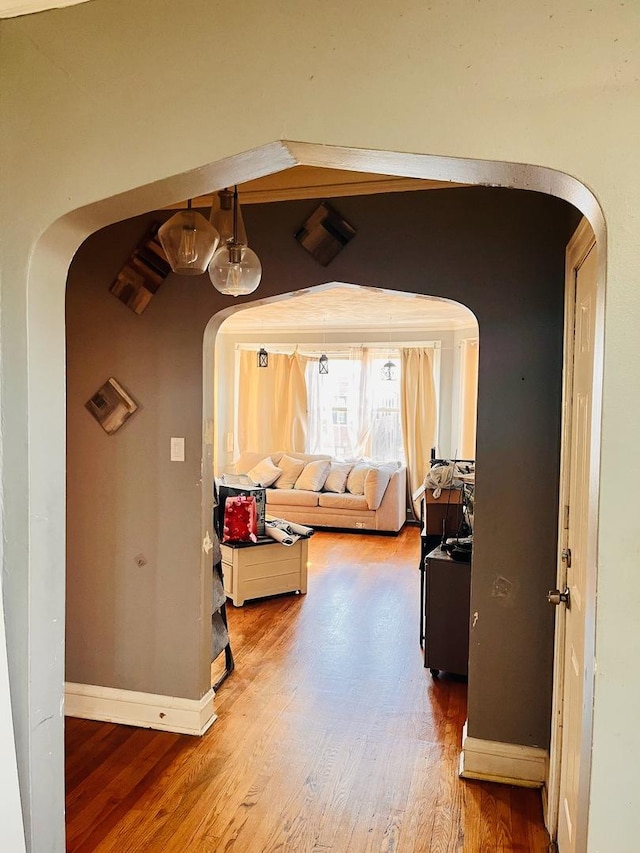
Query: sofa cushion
[
  {"x": 343, "y": 501},
  {"x": 356, "y": 478},
  {"x": 313, "y": 475},
  {"x": 306, "y": 457},
  {"x": 265, "y": 472},
  {"x": 337, "y": 479},
  {"x": 291, "y": 497},
  {"x": 291, "y": 470},
  {"x": 248, "y": 459},
  {"x": 376, "y": 483}
]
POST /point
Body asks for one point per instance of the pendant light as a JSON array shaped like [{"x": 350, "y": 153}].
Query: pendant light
[
  {"x": 235, "y": 269},
  {"x": 263, "y": 357},
  {"x": 221, "y": 217},
  {"x": 389, "y": 370},
  {"x": 323, "y": 361},
  {"x": 189, "y": 241}
]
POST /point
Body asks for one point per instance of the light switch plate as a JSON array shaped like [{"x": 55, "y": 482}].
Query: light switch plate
[{"x": 177, "y": 449}]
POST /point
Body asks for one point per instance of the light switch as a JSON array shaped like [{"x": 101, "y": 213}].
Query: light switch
[{"x": 177, "y": 449}]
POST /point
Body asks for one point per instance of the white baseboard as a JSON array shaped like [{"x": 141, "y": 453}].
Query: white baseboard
[
  {"x": 146, "y": 710},
  {"x": 508, "y": 763}
]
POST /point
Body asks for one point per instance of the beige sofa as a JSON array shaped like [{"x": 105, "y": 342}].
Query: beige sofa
[{"x": 331, "y": 509}]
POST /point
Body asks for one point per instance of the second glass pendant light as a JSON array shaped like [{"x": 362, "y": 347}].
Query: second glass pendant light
[{"x": 235, "y": 269}]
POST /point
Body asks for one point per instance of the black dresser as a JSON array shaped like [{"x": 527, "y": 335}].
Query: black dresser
[{"x": 445, "y": 603}]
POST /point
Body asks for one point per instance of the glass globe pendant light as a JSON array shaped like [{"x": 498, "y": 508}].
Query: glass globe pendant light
[
  {"x": 221, "y": 217},
  {"x": 235, "y": 269},
  {"x": 189, "y": 241}
]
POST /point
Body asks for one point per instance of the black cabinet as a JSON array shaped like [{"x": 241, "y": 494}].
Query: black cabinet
[{"x": 445, "y": 596}]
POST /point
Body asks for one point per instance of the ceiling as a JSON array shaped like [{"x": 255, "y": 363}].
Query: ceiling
[
  {"x": 14, "y": 8},
  {"x": 315, "y": 182},
  {"x": 339, "y": 306}
]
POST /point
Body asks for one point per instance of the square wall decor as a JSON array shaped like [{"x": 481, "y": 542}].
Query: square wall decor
[
  {"x": 325, "y": 233},
  {"x": 111, "y": 406},
  {"x": 142, "y": 274}
]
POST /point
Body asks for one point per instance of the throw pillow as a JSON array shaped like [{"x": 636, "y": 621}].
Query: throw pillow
[
  {"x": 375, "y": 484},
  {"x": 355, "y": 480},
  {"x": 313, "y": 475},
  {"x": 291, "y": 470},
  {"x": 337, "y": 479},
  {"x": 265, "y": 473}
]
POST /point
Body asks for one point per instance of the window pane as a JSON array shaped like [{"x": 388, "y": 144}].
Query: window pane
[{"x": 353, "y": 410}]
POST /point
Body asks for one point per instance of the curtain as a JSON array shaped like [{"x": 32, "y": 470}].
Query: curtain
[
  {"x": 366, "y": 415},
  {"x": 469, "y": 398},
  {"x": 419, "y": 415},
  {"x": 272, "y": 403},
  {"x": 353, "y": 412},
  {"x": 334, "y": 406}
]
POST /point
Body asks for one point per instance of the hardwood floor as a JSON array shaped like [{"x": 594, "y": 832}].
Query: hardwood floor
[{"x": 331, "y": 736}]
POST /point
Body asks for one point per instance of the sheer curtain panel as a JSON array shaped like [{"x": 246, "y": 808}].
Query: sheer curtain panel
[{"x": 419, "y": 414}]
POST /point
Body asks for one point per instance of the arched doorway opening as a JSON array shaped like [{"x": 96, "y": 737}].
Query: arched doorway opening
[{"x": 355, "y": 160}]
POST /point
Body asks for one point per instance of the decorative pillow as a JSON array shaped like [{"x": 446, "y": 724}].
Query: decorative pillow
[
  {"x": 355, "y": 480},
  {"x": 314, "y": 475},
  {"x": 337, "y": 479},
  {"x": 376, "y": 483},
  {"x": 265, "y": 473},
  {"x": 291, "y": 470}
]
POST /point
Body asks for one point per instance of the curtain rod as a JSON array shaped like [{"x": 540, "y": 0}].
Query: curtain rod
[{"x": 383, "y": 346}]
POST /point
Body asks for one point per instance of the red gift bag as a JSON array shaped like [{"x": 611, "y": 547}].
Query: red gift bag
[{"x": 240, "y": 519}]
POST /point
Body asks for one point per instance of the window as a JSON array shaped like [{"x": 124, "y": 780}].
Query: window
[{"x": 353, "y": 410}]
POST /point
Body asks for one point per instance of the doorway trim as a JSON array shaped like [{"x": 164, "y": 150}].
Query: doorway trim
[
  {"x": 582, "y": 242},
  {"x": 36, "y": 631}
]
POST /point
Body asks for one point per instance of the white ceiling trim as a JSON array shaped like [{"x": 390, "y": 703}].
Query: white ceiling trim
[{"x": 13, "y": 10}]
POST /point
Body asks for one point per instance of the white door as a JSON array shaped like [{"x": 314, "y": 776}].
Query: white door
[{"x": 573, "y": 735}]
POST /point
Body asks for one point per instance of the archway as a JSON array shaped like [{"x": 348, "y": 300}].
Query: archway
[{"x": 47, "y": 277}]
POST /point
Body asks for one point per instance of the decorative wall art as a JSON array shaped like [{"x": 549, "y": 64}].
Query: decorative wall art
[
  {"x": 111, "y": 406},
  {"x": 142, "y": 275},
  {"x": 325, "y": 233}
]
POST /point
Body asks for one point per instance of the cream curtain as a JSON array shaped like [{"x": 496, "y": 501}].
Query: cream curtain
[
  {"x": 419, "y": 414},
  {"x": 272, "y": 403},
  {"x": 469, "y": 398}
]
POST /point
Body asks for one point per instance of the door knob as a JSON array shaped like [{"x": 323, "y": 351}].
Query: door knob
[{"x": 555, "y": 596}]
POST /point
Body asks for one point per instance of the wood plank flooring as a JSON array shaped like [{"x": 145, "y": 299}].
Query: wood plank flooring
[{"x": 331, "y": 736}]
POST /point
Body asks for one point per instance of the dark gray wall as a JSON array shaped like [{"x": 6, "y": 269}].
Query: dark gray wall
[{"x": 501, "y": 253}]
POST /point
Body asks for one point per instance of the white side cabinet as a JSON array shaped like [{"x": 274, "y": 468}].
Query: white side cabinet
[{"x": 253, "y": 571}]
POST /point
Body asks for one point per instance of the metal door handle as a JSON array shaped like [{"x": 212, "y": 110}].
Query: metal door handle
[{"x": 555, "y": 596}]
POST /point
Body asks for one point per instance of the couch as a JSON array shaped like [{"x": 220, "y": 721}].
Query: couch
[{"x": 379, "y": 503}]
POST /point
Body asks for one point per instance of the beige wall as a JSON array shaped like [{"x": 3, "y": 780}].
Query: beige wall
[{"x": 96, "y": 105}]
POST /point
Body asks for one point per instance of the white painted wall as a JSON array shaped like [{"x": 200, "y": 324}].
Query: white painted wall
[{"x": 94, "y": 106}]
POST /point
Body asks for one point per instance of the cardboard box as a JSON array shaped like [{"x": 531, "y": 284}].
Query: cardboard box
[{"x": 442, "y": 515}]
